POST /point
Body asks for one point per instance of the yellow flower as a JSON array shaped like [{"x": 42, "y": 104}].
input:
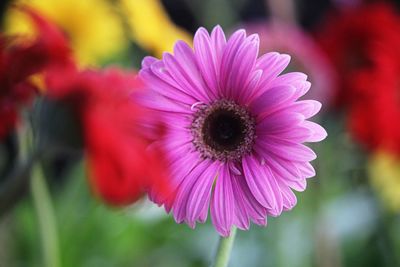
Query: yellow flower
[
  {"x": 151, "y": 27},
  {"x": 94, "y": 28},
  {"x": 384, "y": 173}
]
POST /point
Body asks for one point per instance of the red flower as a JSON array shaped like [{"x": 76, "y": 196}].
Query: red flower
[
  {"x": 19, "y": 60},
  {"x": 352, "y": 40},
  {"x": 363, "y": 45},
  {"x": 374, "y": 119},
  {"x": 121, "y": 167}
]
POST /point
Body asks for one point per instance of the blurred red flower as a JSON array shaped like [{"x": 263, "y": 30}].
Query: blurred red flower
[
  {"x": 363, "y": 45},
  {"x": 21, "y": 58},
  {"x": 121, "y": 166},
  {"x": 353, "y": 40}
]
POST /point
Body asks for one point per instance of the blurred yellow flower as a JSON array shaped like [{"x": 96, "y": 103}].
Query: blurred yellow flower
[
  {"x": 93, "y": 26},
  {"x": 151, "y": 27},
  {"x": 384, "y": 173}
]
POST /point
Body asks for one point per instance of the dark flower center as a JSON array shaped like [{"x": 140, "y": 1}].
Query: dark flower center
[{"x": 223, "y": 131}]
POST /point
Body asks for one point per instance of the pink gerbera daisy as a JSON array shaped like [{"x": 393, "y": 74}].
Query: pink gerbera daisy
[{"x": 234, "y": 129}]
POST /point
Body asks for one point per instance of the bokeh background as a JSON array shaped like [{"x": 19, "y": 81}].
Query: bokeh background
[{"x": 349, "y": 214}]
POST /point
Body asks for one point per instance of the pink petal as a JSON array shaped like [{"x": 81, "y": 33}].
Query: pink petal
[
  {"x": 218, "y": 42},
  {"x": 148, "y": 61},
  {"x": 262, "y": 184},
  {"x": 281, "y": 168},
  {"x": 299, "y": 185},
  {"x": 244, "y": 96},
  {"x": 288, "y": 150},
  {"x": 183, "y": 193},
  {"x": 306, "y": 169},
  {"x": 223, "y": 205},
  {"x": 162, "y": 87},
  {"x": 232, "y": 47},
  {"x": 200, "y": 193},
  {"x": 318, "y": 132},
  {"x": 158, "y": 102},
  {"x": 207, "y": 59},
  {"x": 271, "y": 99},
  {"x": 184, "y": 71},
  {"x": 295, "y": 134},
  {"x": 242, "y": 66},
  {"x": 272, "y": 64},
  {"x": 247, "y": 207},
  {"x": 278, "y": 122},
  {"x": 289, "y": 198},
  {"x": 307, "y": 108}
]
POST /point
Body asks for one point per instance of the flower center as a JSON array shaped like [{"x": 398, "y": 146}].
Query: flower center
[{"x": 223, "y": 131}]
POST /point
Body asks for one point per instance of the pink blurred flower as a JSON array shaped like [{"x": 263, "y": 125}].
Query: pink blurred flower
[{"x": 234, "y": 129}]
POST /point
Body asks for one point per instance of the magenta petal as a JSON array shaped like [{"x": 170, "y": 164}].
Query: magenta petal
[
  {"x": 228, "y": 57},
  {"x": 204, "y": 213},
  {"x": 244, "y": 97},
  {"x": 247, "y": 207},
  {"x": 306, "y": 169},
  {"x": 281, "y": 168},
  {"x": 207, "y": 59},
  {"x": 289, "y": 198},
  {"x": 295, "y": 134},
  {"x": 147, "y": 61},
  {"x": 318, "y": 132},
  {"x": 299, "y": 185},
  {"x": 271, "y": 99},
  {"x": 200, "y": 193},
  {"x": 242, "y": 66},
  {"x": 302, "y": 90},
  {"x": 288, "y": 150},
  {"x": 262, "y": 184},
  {"x": 279, "y": 121},
  {"x": 218, "y": 42},
  {"x": 306, "y": 107},
  {"x": 181, "y": 168},
  {"x": 187, "y": 75},
  {"x": 183, "y": 194},
  {"x": 187, "y": 60},
  {"x": 160, "y": 103},
  {"x": 223, "y": 206},
  {"x": 272, "y": 64},
  {"x": 161, "y": 87},
  {"x": 295, "y": 79}
]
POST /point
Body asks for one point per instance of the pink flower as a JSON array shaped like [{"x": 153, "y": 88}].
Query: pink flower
[{"x": 234, "y": 129}]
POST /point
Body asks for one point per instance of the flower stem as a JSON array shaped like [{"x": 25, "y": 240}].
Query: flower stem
[
  {"x": 224, "y": 250},
  {"x": 46, "y": 218}
]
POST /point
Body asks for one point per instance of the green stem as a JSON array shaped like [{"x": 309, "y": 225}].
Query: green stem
[
  {"x": 224, "y": 250},
  {"x": 46, "y": 218}
]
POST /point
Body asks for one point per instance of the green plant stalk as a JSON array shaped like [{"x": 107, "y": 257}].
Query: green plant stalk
[
  {"x": 224, "y": 249},
  {"x": 46, "y": 218}
]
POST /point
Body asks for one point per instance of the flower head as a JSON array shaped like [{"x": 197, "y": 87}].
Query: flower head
[
  {"x": 113, "y": 132},
  {"x": 234, "y": 129}
]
